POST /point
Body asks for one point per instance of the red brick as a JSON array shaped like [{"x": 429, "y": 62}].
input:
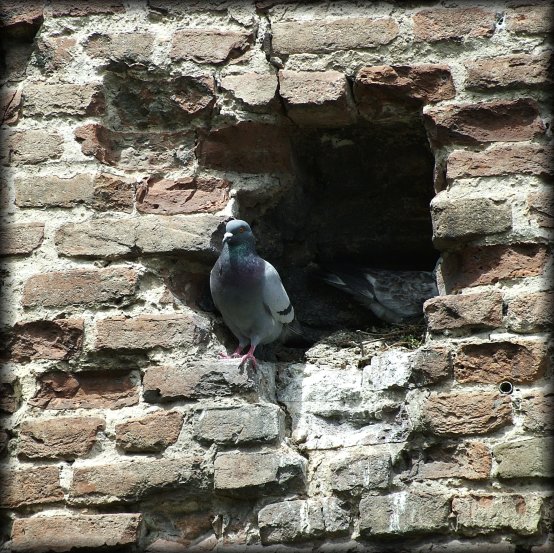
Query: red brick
[
  {"x": 248, "y": 147},
  {"x": 480, "y": 310},
  {"x": 209, "y": 45},
  {"x": 536, "y": 407},
  {"x": 150, "y": 331},
  {"x": 32, "y": 486},
  {"x": 96, "y": 140},
  {"x": 474, "y": 266},
  {"x": 59, "y": 339},
  {"x": 256, "y": 90},
  {"x": 466, "y": 413},
  {"x": 431, "y": 365},
  {"x": 531, "y": 19},
  {"x": 113, "y": 193},
  {"x": 328, "y": 35},
  {"x": 69, "y": 532},
  {"x": 35, "y": 146},
  {"x": 468, "y": 460},
  {"x": 91, "y": 7},
  {"x": 59, "y": 438},
  {"x": 493, "y": 362},
  {"x": 63, "y": 99},
  {"x": 517, "y": 70},
  {"x": 184, "y": 195},
  {"x": 10, "y": 105},
  {"x": 541, "y": 207},
  {"x": 130, "y": 480},
  {"x": 437, "y": 24},
  {"x": 531, "y": 312},
  {"x": 21, "y": 20},
  {"x": 20, "y": 238},
  {"x": 80, "y": 287},
  {"x": 528, "y": 159},
  {"x": 318, "y": 98},
  {"x": 127, "y": 47},
  {"x": 153, "y": 432},
  {"x": 86, "y": 390},
  {"x": 498, "y": 120}
]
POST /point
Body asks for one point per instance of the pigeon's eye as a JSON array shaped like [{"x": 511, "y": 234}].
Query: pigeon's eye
[{"x": 242, "y": 229}]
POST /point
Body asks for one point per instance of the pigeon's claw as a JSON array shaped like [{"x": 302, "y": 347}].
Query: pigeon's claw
[
  {"x": 234, "y": 355},
  {"x": 249, "y": 355}
]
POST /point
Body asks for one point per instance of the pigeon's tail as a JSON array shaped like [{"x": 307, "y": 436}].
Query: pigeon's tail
[{"x": 296, "y": 335}]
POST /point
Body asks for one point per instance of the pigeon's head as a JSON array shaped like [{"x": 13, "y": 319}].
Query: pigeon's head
[{"x": 237, "y": 232}]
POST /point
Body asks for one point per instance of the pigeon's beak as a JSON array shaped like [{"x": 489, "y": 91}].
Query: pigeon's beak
[{"x": 227, "y": 236}]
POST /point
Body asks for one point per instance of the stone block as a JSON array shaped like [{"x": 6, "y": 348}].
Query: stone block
[
  {"x": 256, "y": 90},
  {"x": 357, "y": 471},
  {"x": 529, "y": 19},
  {"x": 126, "y": 47},
  {"x": 526, "y": 458},
  {"x": 436, "y": 24},
  {"x": 52, "y": 191},
  {"x": 431, "y": 365},
  {"x": 20, "y": 238},
  {"x": 63, "y": 99},
  {"x": 536, "y": 408},
  {"x": 541, "y": 208},
  {"x": 390, "y": 369},
  {"x": 30, "y": 486},
  {"x": 35, "y": 146}
]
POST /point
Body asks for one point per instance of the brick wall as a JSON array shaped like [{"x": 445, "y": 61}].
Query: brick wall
[{"x": 130, "y": 131}]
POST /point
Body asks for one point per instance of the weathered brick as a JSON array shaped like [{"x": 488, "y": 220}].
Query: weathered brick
[
  {"x": 196, "y": 380},
  {"x": 302, "y": 519},
  {"x": 530, "y": 457},
  {"x": 531, "y": 19},
  {"x": 239, "y": 424},
  {"x": 10, "y": 105},
  {"x": 58, "y": 339},
  {"x": 249, "y": 147},
  {"x": 55, "y": 53},
  {"x": 486, "y": 512},
  {"x": 503, "y": 159},
  {"x": 184, "y": 195},
  {"x": 150, "y": 331},
  {"x": 68, "y": 8},
  {"x": 21, "y": 21},
  {"x": 493, "y": 362},
  {"x": 80, "y": 287},
  {"x": 457, "y": 219},
  {"x": 517, "y": 70},
  {"x": 68, "y": 532},
  {"x": 318, "y": 98},
  {"x": 541, "y": 207},
  {"x": 20, "y": 238},
  {"x": 97, "y": 140},
  {"x": 153, "y": 432},
  {"x": 469, "y": 460},
  {"x": 431, "y": 365},
  {"x": 86, "y": 390},
  {"x": 414, "y": 85},
  {"x": 127, "y": 47},
  {"x": 475, "y": 266},
  {"x": 59, "y": 438},
  {"x": 536, "y": 409},
  {"x": 437, "y": 24},
  {"x": 328, "y": 35},
  {"x": 477, "y": 310},
  {"x": 256, "y": 90},
  {"x": 465, "y": 413},
  {"x": 498, "y": 120},
  {"x": 131, "y": 480},
  {"x": 403, "y": 513},
  {"x": 151, "y": 234},
  {"x": 30, "y": 486},
  {"x": 531, "y": 312},
  {"x": 209, "y": 45},
  {"x": 35, "y": 146},
  {"x": 112, "y": 193},
  {"x": 244, "y": 471},
  {"x": 63, "y": 99},
  {"x": 52, "y": 191}
]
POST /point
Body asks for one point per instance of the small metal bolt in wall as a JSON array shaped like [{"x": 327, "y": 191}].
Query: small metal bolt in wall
[{"x": 506, "y": 387}]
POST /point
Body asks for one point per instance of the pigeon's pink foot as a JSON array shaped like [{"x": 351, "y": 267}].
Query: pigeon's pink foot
[
  {"x": 250, "y": 355},
  {"x": 233, "y": 355}
]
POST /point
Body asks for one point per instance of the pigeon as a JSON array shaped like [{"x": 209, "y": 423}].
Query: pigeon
[
  {"x": 248, "y": 292},
  {"x": 393, "y": 296}
]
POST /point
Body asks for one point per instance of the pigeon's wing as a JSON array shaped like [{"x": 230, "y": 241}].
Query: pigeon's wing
[
  {"x": 275, "y": 297},
  {"x": 354, "y": 283}
]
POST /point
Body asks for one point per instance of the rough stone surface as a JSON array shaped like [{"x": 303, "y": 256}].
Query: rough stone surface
[
  {"x": 532, "y": 19},
  {"x": 88, "y": 390},
  {"x": 63, "y": 99},
  {"x": 480, "y": 310},
  {"x": 53, "y": 191},
  {"x": 346, "y": 33},
  {"x": 492, "y": 362},
  {"x": 519, "y": 513},
  {"x": 59, "y": 438},
  {"x": 35, "y": 146},
  {"x": 153, "y": 432},
  {"x": 30, "y": 486},
  {"x": 403, "y": 513},
  {"x": 437, "y": 24},
  {"x": 254, "y": 89},
  {"x": 530, "y": 457},
  {"x": 499, "y": 120},
  {"x": 10, "y": 105},
  {"x": 541, "y": 208},
  {"x": 195, "y": 380},
  {"x": 127, "y": 47},
  {"x": 20, "y": 238},
  {"x": 80, "y": 287},
  {"x": 431, "y": 365},
  {"x": 465, "y": 413},
  {"x": 536, "y": 408},
  {"x": 66, "y": 532},
  {"x": 240, "y": 424}
]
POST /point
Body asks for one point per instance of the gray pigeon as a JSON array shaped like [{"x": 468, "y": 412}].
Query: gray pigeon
[
  {"x": 248, "y": 292},
  {"x": 392, "y": 296}
]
